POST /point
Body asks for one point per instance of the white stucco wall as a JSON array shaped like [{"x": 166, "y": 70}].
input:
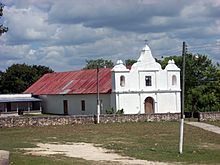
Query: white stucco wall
[
  {"x": 168, "y": 102},
  {"x": 54, "y": 104},
  {"x": 128, "y": 102},
  {"x": 134, "y": 103}
]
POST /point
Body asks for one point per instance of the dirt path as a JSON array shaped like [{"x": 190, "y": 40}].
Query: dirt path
[
  {"x": 205, "y": 126},
  {"x": 86, "y": 151}
]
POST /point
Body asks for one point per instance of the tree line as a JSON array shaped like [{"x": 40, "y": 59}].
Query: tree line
[{"x": 202, "y": 79}]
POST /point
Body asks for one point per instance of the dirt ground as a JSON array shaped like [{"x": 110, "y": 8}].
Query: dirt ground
[{"x": 86, "y": 151}]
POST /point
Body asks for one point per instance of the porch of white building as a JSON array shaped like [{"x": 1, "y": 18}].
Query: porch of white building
[{"x": 17, "y": 104}]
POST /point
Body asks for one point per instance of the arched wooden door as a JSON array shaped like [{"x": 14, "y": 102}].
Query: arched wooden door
[{"x": 149, "y": 105}]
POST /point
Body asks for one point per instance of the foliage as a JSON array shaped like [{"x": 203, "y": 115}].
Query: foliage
[
  {"x": 120, "y": 111},
  {"x": 164, "y": 61},
  {"x": 18, "y": 77},
  {"x": 100, "y": 63},
  {"x": 202, "y": 82},
  {"x": 110, "y": 111},
  {"x": 130, "y": 62}
]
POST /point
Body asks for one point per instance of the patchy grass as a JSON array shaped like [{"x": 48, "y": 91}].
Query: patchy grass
[
  {"x": 155, "y": 141},
  {"x": 216, "y": 123}
]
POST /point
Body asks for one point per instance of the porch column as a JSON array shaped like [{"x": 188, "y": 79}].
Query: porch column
[
  {"x": 28, "y": 107},
  {"x": 17, "y": 107},
  {"x": 40, "y": 107},
  {"x": 6, "y": 110}
]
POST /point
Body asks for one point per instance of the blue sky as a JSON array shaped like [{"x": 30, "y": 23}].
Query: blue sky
[{"x": 63, "y": 34}]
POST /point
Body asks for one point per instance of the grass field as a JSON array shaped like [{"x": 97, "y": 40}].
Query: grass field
[{"x": 156, "y": 141}]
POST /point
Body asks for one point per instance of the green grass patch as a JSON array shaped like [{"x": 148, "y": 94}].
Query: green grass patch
[{"x": 155, "y": 141}]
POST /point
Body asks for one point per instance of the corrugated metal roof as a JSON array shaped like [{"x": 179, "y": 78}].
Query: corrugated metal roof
[{"x": 73, "y": 82}]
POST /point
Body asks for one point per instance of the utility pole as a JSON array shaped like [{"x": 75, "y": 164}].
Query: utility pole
[
  {"x": 98, "y": 99},
  {"x": 182, "y": 99}
]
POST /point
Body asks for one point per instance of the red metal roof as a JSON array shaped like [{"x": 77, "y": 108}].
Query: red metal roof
[{"x": 74, "y": 82}]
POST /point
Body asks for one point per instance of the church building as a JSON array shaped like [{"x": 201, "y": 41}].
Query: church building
[{"x": 144, "y": 88}]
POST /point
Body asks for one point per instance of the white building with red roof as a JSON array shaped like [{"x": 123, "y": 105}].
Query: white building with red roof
[{"x": 145, "y": 88}]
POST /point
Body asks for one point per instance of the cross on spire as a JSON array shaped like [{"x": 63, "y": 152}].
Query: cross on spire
[{"x": 146, "y": 41}]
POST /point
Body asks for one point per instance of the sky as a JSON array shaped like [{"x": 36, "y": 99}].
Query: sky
[{"x": 63, "y": 34}]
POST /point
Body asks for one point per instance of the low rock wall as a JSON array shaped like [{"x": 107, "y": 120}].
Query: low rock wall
[
  {"x": 139, "y": 118},
  {"x": 24, "y": 121},
  {"x": 209, "y": 116}
]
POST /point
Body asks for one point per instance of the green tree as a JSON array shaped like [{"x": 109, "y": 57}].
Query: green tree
[
  {"x": 92, "y": 64},
  {"x": 203, "y": 98},
  {"x": 164, "y": 61},
  {"x": 206, "y": 96},
  {"x": 41, "y": 70},
  {"x": 101, "y": 63},
  {"x": 130, "y": 62},
  {"x": 19, "y": 77}
]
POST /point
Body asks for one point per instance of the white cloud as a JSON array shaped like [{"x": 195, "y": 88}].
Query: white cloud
[
  {"x": 78, "y": 34},
  {"x": 63, "y": 34},
  {"x": 27, "y": 25},
  {"x": 13, "y": 54}
]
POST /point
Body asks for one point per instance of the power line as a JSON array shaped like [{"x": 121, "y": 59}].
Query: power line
[{"x": 206, "y": 45}]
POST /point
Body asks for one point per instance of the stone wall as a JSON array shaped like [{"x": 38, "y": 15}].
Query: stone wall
[
  {"x": 209, "y": 116},
  {"x": 139, "y": 118},
  {"x": 24, "y": 121}
]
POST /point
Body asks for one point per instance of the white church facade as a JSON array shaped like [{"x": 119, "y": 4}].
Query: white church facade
[{"x": 145, "y": 88}]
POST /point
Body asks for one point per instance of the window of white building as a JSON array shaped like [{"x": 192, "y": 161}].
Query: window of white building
[
  {"x": 122, "y": 81},
  {"x": 148, "y": 81},
  {"x": 173, "y": 80}
]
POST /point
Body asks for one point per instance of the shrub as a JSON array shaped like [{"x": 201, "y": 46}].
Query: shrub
[
  {"x": 110, "y": 111},
  {"x": 120, "y": 111}
]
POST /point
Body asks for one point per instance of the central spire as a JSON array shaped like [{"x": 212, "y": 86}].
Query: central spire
[
  {"x": 146, "y": 55},
  {"x": 146, "y": 61}
]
